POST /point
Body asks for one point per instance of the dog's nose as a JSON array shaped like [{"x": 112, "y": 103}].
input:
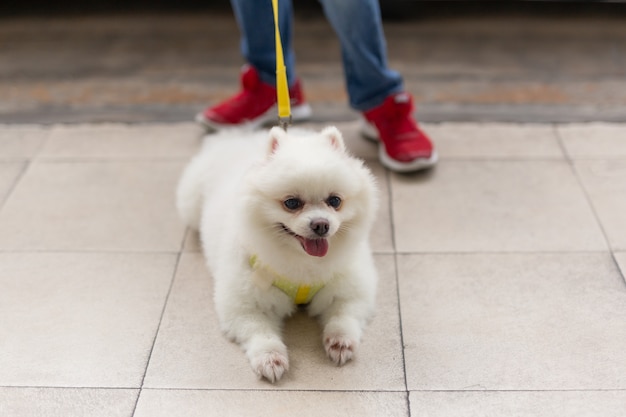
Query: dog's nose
[{"x": 320, "y": 226}]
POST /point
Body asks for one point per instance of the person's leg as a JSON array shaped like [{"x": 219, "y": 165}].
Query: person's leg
[
  {"x": 376, "y": 90},
  {"x": 255, "y": 104},
  {"x": 256, "y": 23},
  {"x": 358, "y": 25}
]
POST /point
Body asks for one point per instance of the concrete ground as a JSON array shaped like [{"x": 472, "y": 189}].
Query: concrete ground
[{"x": 502, "y": 270}]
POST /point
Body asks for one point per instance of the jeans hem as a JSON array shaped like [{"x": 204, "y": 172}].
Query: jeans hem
[{"x": 375, "y": 101}]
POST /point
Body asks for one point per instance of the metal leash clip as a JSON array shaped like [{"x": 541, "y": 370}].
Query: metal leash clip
[{"x": 284, "y": 122}]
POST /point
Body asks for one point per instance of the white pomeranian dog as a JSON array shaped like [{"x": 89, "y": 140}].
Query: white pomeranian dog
[{"x": 284, "y": 221}]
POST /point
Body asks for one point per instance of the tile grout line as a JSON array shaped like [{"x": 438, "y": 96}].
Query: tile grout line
[
  {"x": 185, "y": 236},
  {"x": 548, "y": 390},
  {"x": 16, "y": 181},
  {"x": 87, "y": 251},
  {"x": 365, "y": 391},
  {"x": 373, "y": 391},
  {"x": 395, "y": 266},
  {"x": 176, "y": 252},
  {"x": 619, "y": 269},
  {"x": 559, "y": 141},
  {"x": 59, "y": 387},
  {"x": 28, "y": 162},
  {"x": 570, "y": 163},
  {"x": 406, "y": 385},
  {"x": 495, "y": 252},
  {"x": 156, "y": 333}
]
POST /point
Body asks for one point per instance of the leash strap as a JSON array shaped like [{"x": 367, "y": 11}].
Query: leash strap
[{"x": 282, "y": 88}]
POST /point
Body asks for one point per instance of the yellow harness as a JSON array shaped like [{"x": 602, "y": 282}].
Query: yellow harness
[{"x": 299, "y": 293}]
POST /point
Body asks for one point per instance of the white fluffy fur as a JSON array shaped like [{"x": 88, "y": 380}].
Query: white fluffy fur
[{"x": 233, "y": 192}]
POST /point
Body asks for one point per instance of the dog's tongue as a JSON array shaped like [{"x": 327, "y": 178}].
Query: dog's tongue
[{"x": 315, "y": 247}]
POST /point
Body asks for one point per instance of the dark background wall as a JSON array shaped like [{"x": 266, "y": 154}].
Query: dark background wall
[{"x": 392, "y": 9}]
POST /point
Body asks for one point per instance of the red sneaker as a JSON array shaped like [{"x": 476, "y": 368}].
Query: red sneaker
[
  {"x": 253, "y": 106},
  {"x": 405, "y": 148}
]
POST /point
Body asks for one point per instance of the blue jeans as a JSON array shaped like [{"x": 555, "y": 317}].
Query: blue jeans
[{"x": 359, "y": 28}]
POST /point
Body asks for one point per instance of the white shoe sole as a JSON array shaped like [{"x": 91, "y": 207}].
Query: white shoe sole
[
  {"x": 298, "y": 113},
  {"x": 368, "y": 131},
  {"x": 406, "y": 167}
]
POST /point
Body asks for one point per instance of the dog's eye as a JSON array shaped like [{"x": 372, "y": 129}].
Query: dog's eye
[
  {"x": 334, "y": 201},
  {"x": 293, "y": 203}
]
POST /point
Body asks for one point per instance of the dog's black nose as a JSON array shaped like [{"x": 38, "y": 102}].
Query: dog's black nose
[{"x": 320, "y": 226}]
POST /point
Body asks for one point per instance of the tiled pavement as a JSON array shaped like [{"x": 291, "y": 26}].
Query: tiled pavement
[
  {"x": 502, "y": 270},
  {"x": 502, "y": 288}
]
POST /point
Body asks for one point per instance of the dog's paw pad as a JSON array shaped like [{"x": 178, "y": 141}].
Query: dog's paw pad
[
  {"x": 271, "y": 366},
  {"x": 339, "y": 348}
]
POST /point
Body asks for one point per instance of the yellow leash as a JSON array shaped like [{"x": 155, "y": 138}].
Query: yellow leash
[{"x": 282, "y": 88}]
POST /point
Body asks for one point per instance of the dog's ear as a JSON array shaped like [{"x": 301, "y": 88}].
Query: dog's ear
[
  {"x": 335, "y": 137},
  {"x": 277, "y": 135}
]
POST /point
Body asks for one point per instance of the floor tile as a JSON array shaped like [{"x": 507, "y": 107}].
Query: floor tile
[
  {"x": 513, "y": 321},
  {"x": 80, "y": 319},
  {"x": 61, "y": 402},
  {"x": 494, "y": 140},
  {"x": 190, "y": 350},
  {"x": 123, "y": 141},
  {"x": 94, "y": 206},
  {"x": 469, "y": 206},
  {"x": 9, "y": 172},
  {"x": 594, "y": 140},
  {"x": 605, "y": 183},
  {"x": 157, "y": 403},
  {"x": 21, "y": 141},
  {"x": 518, "y": 404}
]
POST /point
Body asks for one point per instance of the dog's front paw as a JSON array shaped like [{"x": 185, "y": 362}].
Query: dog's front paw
[
  {"x": 339, "y": 348},
  {"x": 271, "y": 365}
]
